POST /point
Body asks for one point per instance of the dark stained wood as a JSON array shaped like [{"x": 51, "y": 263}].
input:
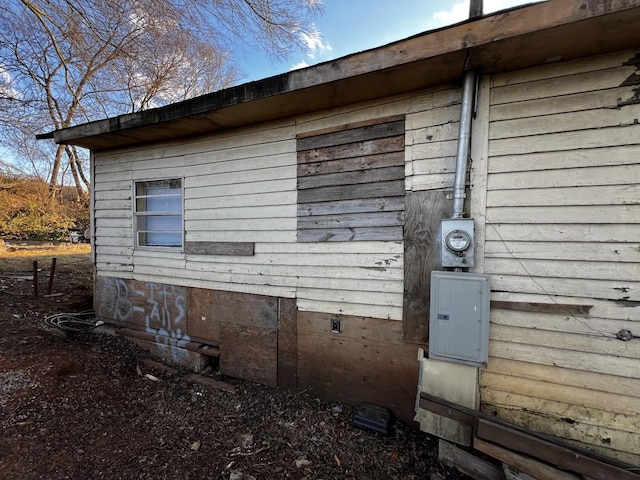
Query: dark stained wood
[
  {"x": 353, "y": 162},
  {"x": 349, "y": 126},
  {"x": 287, "y": 315},
  {"x": 468, "y": 463},
  {"x": 351, "y": 234},
  {"x": 423, "y": 212},
  {"x": 352, "y": 178},
  {"x": 447, "y": 409},
  {"x": 368, "y": 148},
  {"x": 553, "y": 308},
  {"x": 201, "y": 322},
  {"x": 554, "y": 453},
  {"x": 384, "y": 204},
  {"x": 287, "y": 360},
  {"x": 379, "y": 219},
  {"x": 249, "y": 352},
  {"x": 352, "y": 135},
  {"x": 529, "y": 466},
  {"x": 366, "y": 362},
  {"x": 245, "y": 309},
  {"x": 352, "y": 192},
  {"x": 220, "y": 248},
  {"x": 287, "y": 343}
]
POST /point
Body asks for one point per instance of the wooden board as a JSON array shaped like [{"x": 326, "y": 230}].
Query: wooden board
[
  {"x": 249, "y": 352},
  {"x": 535, "y": 468},
  {"x": 259, "y": 311},
  {"x": 553, "y": 454},
  {"x": 468, "y": 463},
  {"x": 353, "y": 135},
  {"x": 287, "y": 343},
  {"x": 219, "y": 248},
  {"x": 201, "y": 322},
  {"x": 424, "y": 210},
  {"x": 366, "y": 361}
]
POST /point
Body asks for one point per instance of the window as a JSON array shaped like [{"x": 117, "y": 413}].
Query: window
[{"x": 158, "y": 213}]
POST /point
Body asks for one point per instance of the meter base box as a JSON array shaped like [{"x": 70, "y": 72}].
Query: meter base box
[{"x": 372, "y": 418}]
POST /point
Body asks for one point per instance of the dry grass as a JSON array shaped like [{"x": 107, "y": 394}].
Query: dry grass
[{"x": 20, "y": 257}]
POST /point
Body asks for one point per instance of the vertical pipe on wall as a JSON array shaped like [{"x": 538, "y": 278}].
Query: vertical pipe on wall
[
  {"x": 464, "y": 143},
  {"x": 475, "y": 8}
]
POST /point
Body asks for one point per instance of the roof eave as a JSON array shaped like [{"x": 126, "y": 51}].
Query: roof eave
[{"x": 518, "y": 38}]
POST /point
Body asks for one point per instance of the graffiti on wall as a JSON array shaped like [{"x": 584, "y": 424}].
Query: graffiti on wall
[{"x": 161, "y": 309}]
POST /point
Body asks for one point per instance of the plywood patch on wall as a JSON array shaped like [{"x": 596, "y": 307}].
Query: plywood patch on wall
[
  {"x": 248, "y": 335},
  {"x": 287, "y": 343},
  {"x": 366, "y": 361},
  {"x": 201, "y": 323},
  {"x": 424, "y": 210}
]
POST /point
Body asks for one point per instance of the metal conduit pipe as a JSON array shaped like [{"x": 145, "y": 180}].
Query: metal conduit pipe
[{"x": 464, "y": 143}]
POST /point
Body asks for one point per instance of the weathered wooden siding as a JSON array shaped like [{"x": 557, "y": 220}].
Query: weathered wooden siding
[{"x": 562, "y": 226}]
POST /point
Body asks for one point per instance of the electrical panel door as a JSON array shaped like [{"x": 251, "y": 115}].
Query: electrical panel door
[{"x": 459, "y": 317}]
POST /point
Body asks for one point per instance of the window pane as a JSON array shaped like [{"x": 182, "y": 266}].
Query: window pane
[{"x": 165, "y": 198}]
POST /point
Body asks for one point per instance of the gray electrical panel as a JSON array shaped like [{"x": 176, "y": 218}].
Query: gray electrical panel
[{"x": 459, "y": 317}]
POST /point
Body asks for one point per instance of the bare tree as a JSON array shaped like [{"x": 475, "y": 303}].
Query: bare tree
[{"x": 64, "y": 62}]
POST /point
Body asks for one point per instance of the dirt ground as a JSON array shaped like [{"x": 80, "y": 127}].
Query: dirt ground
[{"x": 91, "y": 406}]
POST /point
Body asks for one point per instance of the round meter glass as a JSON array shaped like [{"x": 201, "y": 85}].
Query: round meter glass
[{"x": 458, "y": 241}]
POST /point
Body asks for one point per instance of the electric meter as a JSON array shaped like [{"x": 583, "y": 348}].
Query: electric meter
[
  {"x": 457, "y": 241},
  {"x": 457, "y": 244}
]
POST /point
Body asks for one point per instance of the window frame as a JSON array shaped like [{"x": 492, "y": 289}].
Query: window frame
[{"x": 138, "y": 215}]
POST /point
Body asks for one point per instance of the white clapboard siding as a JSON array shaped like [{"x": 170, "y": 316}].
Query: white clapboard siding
[
  {"x": 580, "y": 387},
  {"x": 357, "y": 309},
  {"x": 574, "y": 214},
  {"x": 563, "y": 69},
  {"x": 593, "y": 157},
  {"x": 561, "y": 226},
  {"x": 565, "y": 141},
  {"x": 619, "y": 194},
  {"x": 432, "y": 131},
  {"x": 585, "y": 120},
  {"x": 381, "y": 280},
  {"x": 604, "y": 343},
  {"x": 241, "y": 186},
  {"x": 568, "y": 322},
  {"x": 581, "y": 251},
  {"x": 570, "y": 269},
  {"x": 525, "y": 231},
  {"x": 619, "y": 290},
  {"x": 566, "y": 103},
  {"x": 203, "y": 212},
  {"x": 563, "y": 411}
]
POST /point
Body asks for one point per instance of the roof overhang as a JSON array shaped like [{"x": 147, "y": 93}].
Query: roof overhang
[{"x": 522, "y": 37}]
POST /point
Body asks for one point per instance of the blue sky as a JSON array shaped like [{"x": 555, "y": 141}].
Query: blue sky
[{"x": 350, "y": 26}]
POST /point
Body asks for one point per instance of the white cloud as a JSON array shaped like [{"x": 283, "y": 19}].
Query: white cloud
[
  {"x": 6, "y": 85},
  {"x": 317, "y": 50},
  {"x": 299, "y": 65},
  {"x": 459, "y": 11},
  {"x": 313, "y": 41}
]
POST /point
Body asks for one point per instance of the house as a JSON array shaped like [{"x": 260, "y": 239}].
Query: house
[{"x": 289, "y": 227}]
